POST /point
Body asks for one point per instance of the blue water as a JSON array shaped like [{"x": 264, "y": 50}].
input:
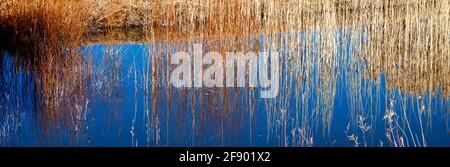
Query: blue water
[{"x": 125, "y": 110}]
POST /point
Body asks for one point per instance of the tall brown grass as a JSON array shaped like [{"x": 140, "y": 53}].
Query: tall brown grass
[{"x": 43, "y": 37}]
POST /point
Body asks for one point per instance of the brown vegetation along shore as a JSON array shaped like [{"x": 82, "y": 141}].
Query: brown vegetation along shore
[{"x": 193, "y": 18}]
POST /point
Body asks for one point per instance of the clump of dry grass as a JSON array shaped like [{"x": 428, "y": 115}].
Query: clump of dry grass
[
  {"x": 41, "y": 26},
  {"x": 43, "y": 37}
]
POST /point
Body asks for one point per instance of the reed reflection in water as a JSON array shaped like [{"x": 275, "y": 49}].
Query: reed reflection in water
[{"x": 125, "y": 98}]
